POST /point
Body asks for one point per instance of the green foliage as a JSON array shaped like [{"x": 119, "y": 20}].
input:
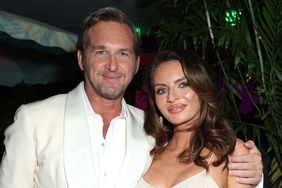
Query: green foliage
[{"x": 247, "y": 53}]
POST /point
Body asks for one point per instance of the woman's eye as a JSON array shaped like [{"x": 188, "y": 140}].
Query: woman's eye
[
  {"x": 184, "y": 85},
  {"x": 160, "y": 91}
]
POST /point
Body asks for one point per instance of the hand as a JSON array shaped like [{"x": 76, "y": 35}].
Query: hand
[{"x": 248, "y": 168}]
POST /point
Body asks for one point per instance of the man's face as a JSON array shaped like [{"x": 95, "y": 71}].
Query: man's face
[{"x": 109, "y": 62}]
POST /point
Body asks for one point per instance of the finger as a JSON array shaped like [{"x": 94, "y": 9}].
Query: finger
[
  {"x": 250, "y": 181},
  {"x": 255, "y": 165},
  {"x": 244, "y": 174},
  {"x": 247, "y": 158},
  {"x": 246, "y": 177},
  {"x": 250, "y": 145},
  {"x": 243, "y": 166}
]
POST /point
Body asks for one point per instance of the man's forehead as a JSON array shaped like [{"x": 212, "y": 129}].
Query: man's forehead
[{"x": 105, "y": 47}]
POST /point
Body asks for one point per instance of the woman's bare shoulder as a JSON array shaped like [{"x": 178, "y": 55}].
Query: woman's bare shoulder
[{"x": 240, "y": 148}]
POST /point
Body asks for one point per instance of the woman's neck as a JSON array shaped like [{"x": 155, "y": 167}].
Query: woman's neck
[{"x": 179, "y": 141}]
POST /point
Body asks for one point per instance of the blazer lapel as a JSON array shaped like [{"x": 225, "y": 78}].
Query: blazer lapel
[
  {"x": 78, "y": 163},
  {"x": 138, "y": 146}
]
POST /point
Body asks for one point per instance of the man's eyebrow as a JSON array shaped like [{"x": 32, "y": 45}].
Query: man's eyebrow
[
  {"x": 98, "y": 47},
  {"x": 102, "y": 47},
  {"x": 125, "y": 49}
]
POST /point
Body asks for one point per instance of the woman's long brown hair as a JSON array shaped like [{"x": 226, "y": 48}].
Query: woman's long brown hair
[{"x": 212, "y": 130}]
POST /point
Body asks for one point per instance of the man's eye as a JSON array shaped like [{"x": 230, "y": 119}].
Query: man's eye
[
  {"x": 100, "y": 52},
  {"x": 124, "y": 54}
]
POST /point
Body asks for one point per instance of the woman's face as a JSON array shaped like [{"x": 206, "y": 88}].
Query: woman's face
[{"x": 177, "y": 102}]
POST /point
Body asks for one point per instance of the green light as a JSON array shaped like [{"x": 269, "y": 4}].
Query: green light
[
  {"x": 233, "y": 17},
  {"x": 138, "y": 31}
]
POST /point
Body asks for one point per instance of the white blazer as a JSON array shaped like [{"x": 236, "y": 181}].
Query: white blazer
[{"x": 48, "y": 146}]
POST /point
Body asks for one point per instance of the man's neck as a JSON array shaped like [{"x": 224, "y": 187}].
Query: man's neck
[{"x": 108, "y": 111}]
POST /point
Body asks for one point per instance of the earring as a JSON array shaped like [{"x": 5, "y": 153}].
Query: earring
[{"x": 161, "y": 120}]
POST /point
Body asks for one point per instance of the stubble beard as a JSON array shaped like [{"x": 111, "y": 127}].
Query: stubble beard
[
  {"x": 103, "y": 89},
  {"x": 110, "y": 93}
]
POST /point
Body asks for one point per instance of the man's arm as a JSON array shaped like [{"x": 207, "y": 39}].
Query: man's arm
[
  {"x": 248, "y": 168},
  {"x": 19, "y": 161}
]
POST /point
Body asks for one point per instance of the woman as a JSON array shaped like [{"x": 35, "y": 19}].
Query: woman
[{"x": 193, "y": 140}]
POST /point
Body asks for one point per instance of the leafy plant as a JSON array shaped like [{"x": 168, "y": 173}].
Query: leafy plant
[{"x": 242, "y": 38}]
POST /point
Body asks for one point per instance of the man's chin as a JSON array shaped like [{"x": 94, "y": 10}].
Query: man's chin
[{"x": 113, "y": 93}]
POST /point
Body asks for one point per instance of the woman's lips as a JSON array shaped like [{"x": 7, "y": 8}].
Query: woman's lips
[{"x": 175, "y": 108}]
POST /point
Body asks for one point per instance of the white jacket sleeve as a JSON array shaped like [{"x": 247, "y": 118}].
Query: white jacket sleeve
[{"x": 18, "y": 164}]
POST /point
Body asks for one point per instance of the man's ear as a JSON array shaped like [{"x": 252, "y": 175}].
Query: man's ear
[
  {"x": 137, "y": 64},
  {"x": 79, "y": 55}
]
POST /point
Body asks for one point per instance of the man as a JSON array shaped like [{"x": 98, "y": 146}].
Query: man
[{"x": 90, "y": 137}]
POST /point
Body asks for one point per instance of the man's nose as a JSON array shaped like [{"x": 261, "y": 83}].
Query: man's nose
[{"x": 113, "y": 63}]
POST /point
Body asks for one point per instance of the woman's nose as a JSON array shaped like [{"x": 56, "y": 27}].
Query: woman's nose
[{"x": 172, "y": 96}]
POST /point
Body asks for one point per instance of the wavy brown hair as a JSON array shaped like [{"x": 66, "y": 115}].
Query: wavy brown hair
[{"x": 212, "y": 130}]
